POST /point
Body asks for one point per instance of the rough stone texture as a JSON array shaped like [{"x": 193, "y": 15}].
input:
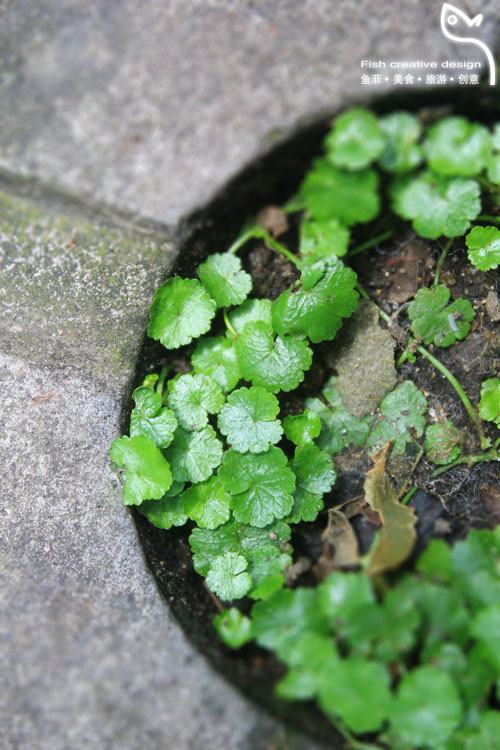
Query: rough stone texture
[
  {"x": 140, "y": 111},
  {"x": 90, "y": 656},
  {"x": 149, "y": 107}
]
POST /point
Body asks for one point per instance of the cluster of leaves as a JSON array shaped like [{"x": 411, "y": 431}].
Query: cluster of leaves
[
  {"x": 212, "y": 447},
  {"x": 417, "y": 666}
]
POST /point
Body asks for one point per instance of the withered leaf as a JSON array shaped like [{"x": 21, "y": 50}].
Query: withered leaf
[
  {"x": 397, "y": 536},
  {"x": 340, "y": 546}
]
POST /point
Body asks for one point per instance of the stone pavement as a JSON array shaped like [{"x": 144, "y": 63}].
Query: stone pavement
[{"x": 119, "y": 119}]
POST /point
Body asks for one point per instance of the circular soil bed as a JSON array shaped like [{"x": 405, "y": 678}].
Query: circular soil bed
[{"x": 447, "y": 506}]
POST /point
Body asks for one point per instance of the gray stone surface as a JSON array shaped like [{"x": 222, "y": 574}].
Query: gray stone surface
[
  {"x": 121, "y": 118},
  {"x": 90, "y": 656},
  {"x": 149, "y": 107}
]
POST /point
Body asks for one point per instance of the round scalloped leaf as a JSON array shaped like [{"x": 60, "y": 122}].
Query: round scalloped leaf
[
  {"x": 248, "y": 420},
  {"x": 273, "y": 363},
  {"x": 433, "y": 321},
  {"x": 401, "y": 410},
  {"x": 148, "y": 474},
  {"x": 455, "y": 146},
  {"x": 442, "y": 442},
  {"x": 302, "y": 428},
  {"x": 427, "y": 708},
  {"x": 330, "y": 193},
  {"x": 180, "y": 312},
  {"x": 322, "y": 239},
  {"x": 261, "y": 485},
  {"x": 224, "y": 279},
  {"x": 489, "y": 405},
  {"x": 192, "y": 398},
  {"x": 438, "y": 206},
  {"x": 207, "y": 503},
  {"x": 194, "y": 455},
  {"x": 315, "y": 475},
  {"x": 355, "y": 140},
  {"x": 359, "y": 692},
  {"x": 228, "y": 578},
  {"x": 402, "y": 151},
  {"x": 484, "y": 247},
  {"x": 251, "y": 311},
  {"x": 317, "y": 310},
  {"x": 493, "y": 171},
  {"x": 150, "y": 419},
  {"x": 164, "y": 513},
  {"x": 217, "y": 358},
  {"x": 233, "y": 628}
]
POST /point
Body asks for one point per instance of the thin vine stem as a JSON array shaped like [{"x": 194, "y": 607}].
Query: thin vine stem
[
  {"x": 278, "y": 247},
  {"x": 487, "y": 217},
  {"x": 440, "y": 262},
  {"x": 228, "y": 324},
  {"x": 409, "y": 495},
  {"x": 471, "y": 411},
  {"x": 242, "y": 239},
  {"x": 370, "y": 243},
  {"x": 470, "y": 461}
]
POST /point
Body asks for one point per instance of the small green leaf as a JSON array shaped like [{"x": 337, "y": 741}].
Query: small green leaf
[
  {"x": 224, "y": 279},
  {"x": 355, "y": 140},
  {"x": 227, "y": 577},
  {"x": 435, "y": 561},
  {"x": 494, "y": 169},
  {"x": 266, "y": 550},
  {"x": 342, "y": 596},
  {"x": 273, "y": 363},
  {"x": 427, "y": 708},
  {"x": 234, "y": 629},
  {"x": 323, "y": 239},
  {"x": 402, "y": 152},
  {"x": 330, "y": 193},
  {"x": 280, "y": 620},
  {"x": 164, "y": 513},
  {"x": 438, "y": 206},
  {"x": 434, "y": 321},
  {"x": 484, "y": 247},
  {"x": 261, "y": 485},
  {"x": 317, "y": 310},
  {"x": 207, "y": 503},
  {"x": 310, "y": 664},
  {"x": 339, "y": 428},
  {"x": 192, "y": 398},
  {"x": 475, "y": 563},
  {"x": 401, "y": 410},
  {"x": 147, "y": 475},
  {"x": 194, "y": 455},
  {"x": 315, "y": 475},
  {"x": 358, "y": 692},
  {"x": 217, "y": 358},
  {"x": 248, "y": 420},
  {"x": 181, "y": 311},
  {"x": 455, "y": 146},
  {"x": 495, "y": 137},
  {"x": 149, "y": 419},
  {"x": 302, "y": 428},
  {"x": 489, "y": 405},
  {"x": 442, "y": 442},
  {"x": 251, "y": 311}
]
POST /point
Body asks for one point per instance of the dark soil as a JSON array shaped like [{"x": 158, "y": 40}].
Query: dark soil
[{"x": 448, "y": 506}]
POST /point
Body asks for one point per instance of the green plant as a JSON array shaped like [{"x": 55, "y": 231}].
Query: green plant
[{"x": 408, "y": 656}]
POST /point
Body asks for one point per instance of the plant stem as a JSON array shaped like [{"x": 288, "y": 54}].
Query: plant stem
[
  {"x": 278, "y": 247},
  {"x": 440, "y": 262},
  {"x": 470, "y": 461},
  {"x": 471, "y": 411},
  {"x": 405, "y": 485},
  {"x": 294, "y": 204},
  {"x": 228, "y": 324},
  {"x": 409, "y": 495},
  {"x": 369, "y": 243},
  {"x": 246, "y": 234},
  {"x": 366, "y": 296},
  {"x": 487, "y": 217}
]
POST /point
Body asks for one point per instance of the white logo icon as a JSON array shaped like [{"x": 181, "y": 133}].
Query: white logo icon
[{"x": 451, "y": 17}]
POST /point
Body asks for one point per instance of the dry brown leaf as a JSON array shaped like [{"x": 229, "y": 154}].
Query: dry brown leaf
[
  {"x": 340, "y": 546},
  {"x": 397, "y": 536},
  {"x": 492, "y": 304}
]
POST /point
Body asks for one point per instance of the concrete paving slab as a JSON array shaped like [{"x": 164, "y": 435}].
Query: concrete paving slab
[{"x": 151, "y": 107}]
